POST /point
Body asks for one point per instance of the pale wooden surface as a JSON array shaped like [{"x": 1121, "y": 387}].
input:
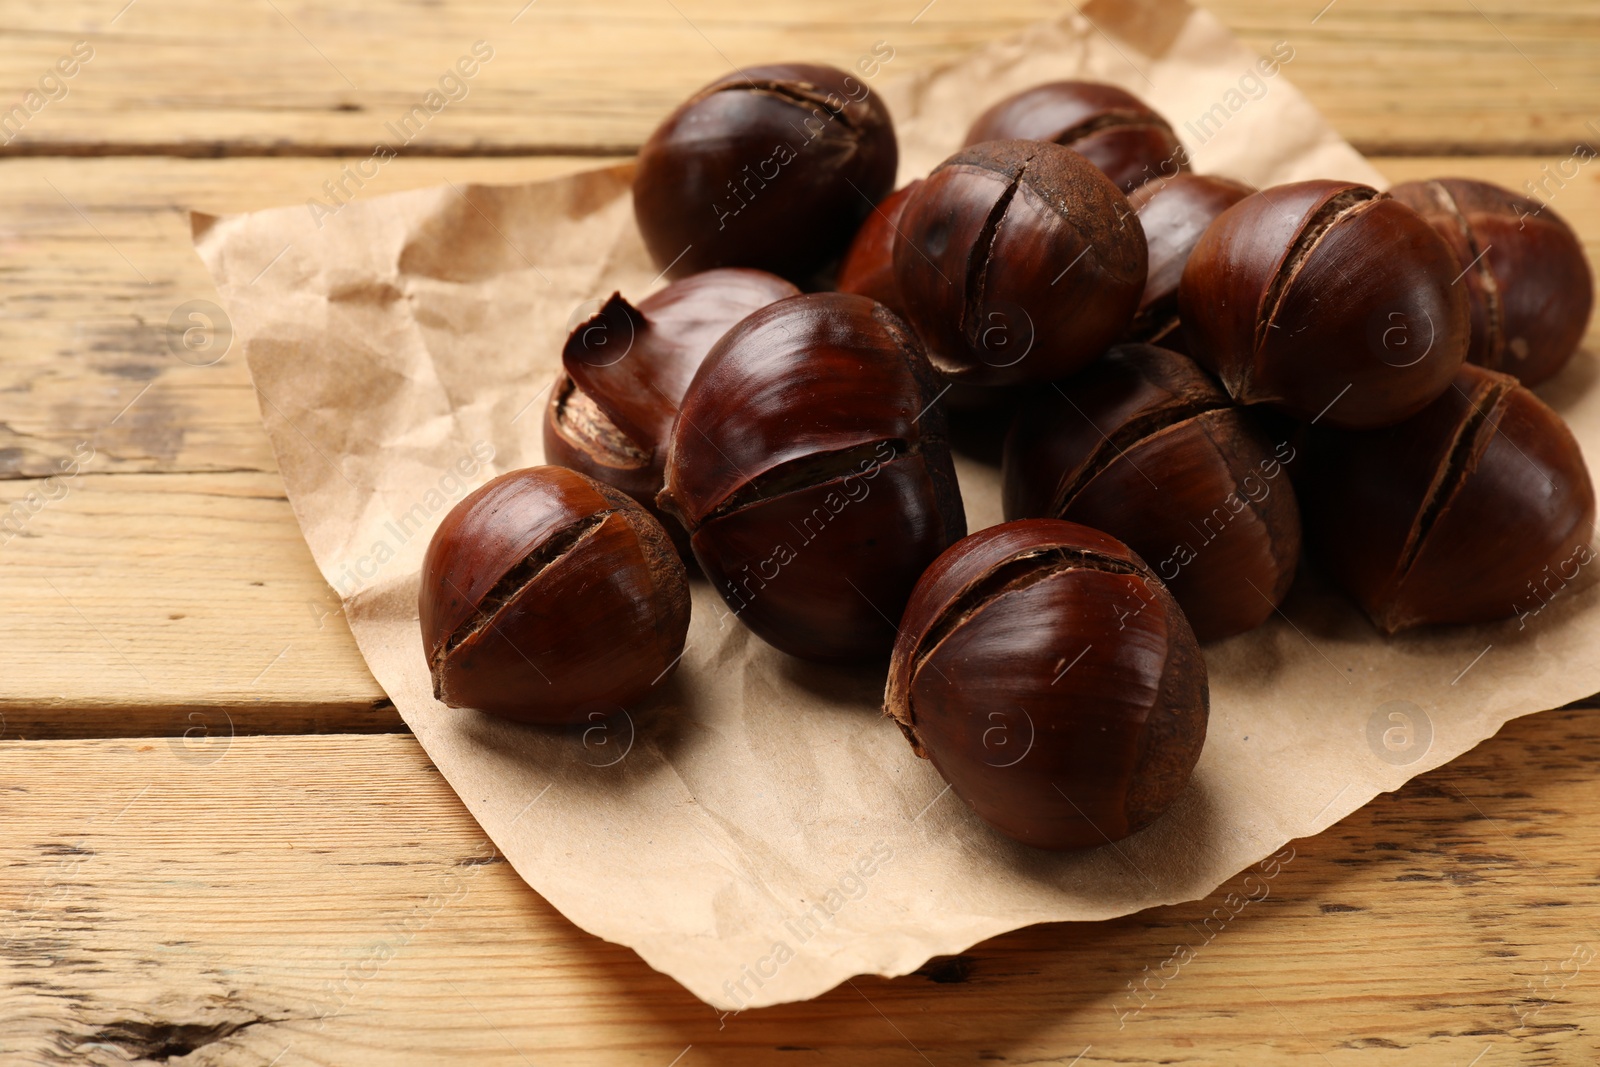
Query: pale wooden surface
[
  {"x": 221, "y": 898},
  {"x": 285, "y": 77},
  {"x": 166, "y": 895}
]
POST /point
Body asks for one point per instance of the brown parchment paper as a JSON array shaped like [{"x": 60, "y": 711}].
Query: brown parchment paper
[{"x": 759, "y": 832}]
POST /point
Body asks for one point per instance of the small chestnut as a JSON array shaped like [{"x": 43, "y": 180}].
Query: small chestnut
[
  {"x": 547, "y": 595},
  {"x": 1527, "y": 279},
  {"x": 1146, "y": 447},
  {"x": 1465, "y": 512},
  {"x": 810, "y": 466},
  {"x": 868, "y": 267},
  {"x": 1327, "y": 299},
  {"x": 1053, "y": 681},
  {"x": 1173, "y": 213},
  {"x": 624, "y": 370},
  {"x": 1108, "y": 126},
  {"x": 1018, "y": 261},
  {"x": 771, "y": 167}
]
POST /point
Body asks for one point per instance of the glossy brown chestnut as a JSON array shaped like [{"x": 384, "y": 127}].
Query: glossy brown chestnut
[
  {"x": 624, "y": 371},
  {"x": 771, "y": 167},
  {"x": 868, "y": 267},
  {"x": 1327, "y": 299},
  {"x": 1146, "y": 447},
  {"x": 810, "y": 467},
  {"x": 1526, "y": 275},
  {"x": 547, "y": 595},
  {"x": 1111, "y": 128},
  {"x": 1173, "y": 213},
  {"x": 1053, "y": 681},
  {"x": 1463, "y": 513},
  {"x": 1018, "y": 261}
]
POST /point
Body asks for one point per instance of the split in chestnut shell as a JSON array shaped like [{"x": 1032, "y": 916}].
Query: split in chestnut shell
[
  {"x": 810, "y": 466},
  {"x": 772, "y": 167},
  {"x": 1053, "y": 681},
  {"x": 547, "y": 596}
]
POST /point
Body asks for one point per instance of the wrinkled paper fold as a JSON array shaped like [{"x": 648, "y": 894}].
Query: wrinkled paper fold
[{"x": 760, "y": 832}]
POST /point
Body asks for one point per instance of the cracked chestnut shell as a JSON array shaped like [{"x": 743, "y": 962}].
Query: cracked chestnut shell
[
  {"x": 1327, "y": 299},
  {"x": 1146, "y": 447},
  {"x": 811, "y": 469},
  {"x": 868, "y": 267},
  {"x": 1053, "y": 681},
  {"x": 1527, "y": 279},
  {"x": 624, "y": 371},
  {"x": 547, "y": 595},
  {"x": 1018, "y": 261},
  {"x": 1453, "y": 515},
  {"x": 1173, "y": 213},
  {"x": 771, "y": 167},
  {"x": 1110, "y": 127}
]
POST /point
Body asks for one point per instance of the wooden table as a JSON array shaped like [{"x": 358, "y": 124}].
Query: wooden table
[{"x": 219, "y": 844}]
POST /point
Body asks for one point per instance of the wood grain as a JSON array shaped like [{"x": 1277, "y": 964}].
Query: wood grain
[
  {"x": 200, "y": 78},
  {"x": 181, "y": 470},
  {"x": 327, "y": 900}
]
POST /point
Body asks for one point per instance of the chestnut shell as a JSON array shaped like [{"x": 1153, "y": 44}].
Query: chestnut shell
[
  {"x": 1018, "y": 261},
  {"x": 547, "y": 595},
  {"x": 1146, "y": 447},
  {"x": 771, "y": 167},
  {"x": 1174, "y": 212},
  {"x": 1113, "y": 129},
  {"x": 1053, "y": 681},
  {"x": 1527, "y": 279},
  {"x": 868, "y": 267},
  {"x": 810, "y": 466},
  {"x": 1327, "y": 299},
  {"x": 625, "y": 369},
  {"x": 1454, "y": 514}
]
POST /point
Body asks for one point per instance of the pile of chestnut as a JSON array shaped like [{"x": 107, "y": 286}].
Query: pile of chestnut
[{"x": 1198, "y": 375}]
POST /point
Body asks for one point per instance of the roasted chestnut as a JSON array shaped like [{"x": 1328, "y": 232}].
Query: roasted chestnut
[
  {"x": 868, "y": 267},
  {"x": 1327, "y": 299},
  {"x": 547, "y": 596},
  {"x": 1174, "y": 212},
  {"x": 1108, "y": 126},
  {"x": 1146, "y": 447},
  {"x": 810, "y": 466},
  {"x": 1528, "y": 282},
  {"x": 1053, "y": 681},
  {"x": 1462, "y": 513},
  {"x": 1018, "y": 261},
  {"x": 771, "y": 167},
  {"x": 624, "y": 370}
]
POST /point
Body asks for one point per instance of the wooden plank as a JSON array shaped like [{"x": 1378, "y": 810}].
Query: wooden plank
[
  {"x": 193, "y": 77},
  {"x": 181, "y": 469},
  {"x": 327, "y": 900},
  {"x": 96, "y": 260},
  {"x": 167, "y": 574}
]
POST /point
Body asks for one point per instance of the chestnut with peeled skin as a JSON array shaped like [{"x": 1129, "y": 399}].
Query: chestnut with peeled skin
[
  {"x": 1146, "y": 447},
  {"x": 1173, "y": 213},
  {"x": 1453, "y": 515},
  {"x": 547, "y": 595},
  {"x": 1053, "y": 681},
  {"x": 1527, "y": 278},
  {"x": 810, "y": 467},
  {"x": 1018, "y": 261},
  {"x": 1108, "y": 126},
  {"x": 868, "y": 267},
  {"x": 625, "y": 368},
  {"x": 1327, "y": 299},
  {"x": 771, "y": 167}
]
